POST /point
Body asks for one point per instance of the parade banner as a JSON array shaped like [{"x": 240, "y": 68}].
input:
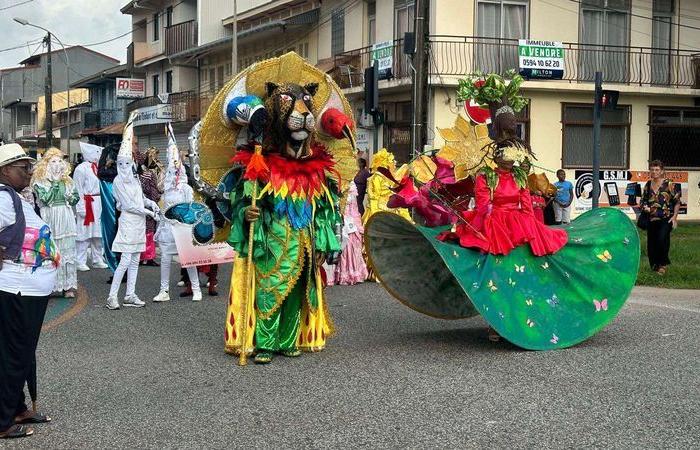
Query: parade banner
[
  {"x": 621, "y": 189},
  {"x": 199, "y": 255}
]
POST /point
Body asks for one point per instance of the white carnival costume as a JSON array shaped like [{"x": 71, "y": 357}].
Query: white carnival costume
[
  {"x": 56, "y": 195},
  {"x": 130, "y": 240},
  {"x": 89, "y": 208},
  {"x": 175, "y": 190}
]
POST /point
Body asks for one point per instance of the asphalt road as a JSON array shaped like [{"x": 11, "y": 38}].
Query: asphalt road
[{"x": 157, "y": 377}]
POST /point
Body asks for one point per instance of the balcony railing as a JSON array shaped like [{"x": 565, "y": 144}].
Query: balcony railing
[
  {"x": 185, "y": 105},
  {"x": 24, "y": 130},
  {"x": 102, "y": 118},
  {"x": 180, "y": 37},
  {"x": 349, "y": 66},
  {"x": 641, "y": 66},
  {"x": 461, "y": 55}
]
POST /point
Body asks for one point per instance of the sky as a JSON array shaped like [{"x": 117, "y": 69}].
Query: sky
[{"x": 74, "y": 22}]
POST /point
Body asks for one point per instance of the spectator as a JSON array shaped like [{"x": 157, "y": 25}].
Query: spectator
[
  {"x": 28, "y": 261},
  {"x": 661, "y": 200},
  {"x": 361, "y": 183},
  {"x": 563, "y": 199}
]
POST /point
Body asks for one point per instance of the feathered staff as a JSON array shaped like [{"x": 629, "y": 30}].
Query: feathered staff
[{"x": 255, "y": 170}]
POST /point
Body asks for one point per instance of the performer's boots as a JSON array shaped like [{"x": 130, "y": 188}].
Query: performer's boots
[
  {"x": 263, "y": 357},
  {"x": 213, "y": 282}
]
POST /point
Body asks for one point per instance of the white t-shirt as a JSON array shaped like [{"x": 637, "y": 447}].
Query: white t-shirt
[{"x": 27, "y": 275}]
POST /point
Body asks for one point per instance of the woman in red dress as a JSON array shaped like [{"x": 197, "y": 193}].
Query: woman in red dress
[{"x": 503, "y": 217}]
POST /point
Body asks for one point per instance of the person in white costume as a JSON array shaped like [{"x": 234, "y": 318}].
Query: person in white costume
[
  {"x": 175, "y": 190},
  {"x": 130, "y": 240},
  {"x": 56, "y": 195},
  {"x": 89, "y": 208}
]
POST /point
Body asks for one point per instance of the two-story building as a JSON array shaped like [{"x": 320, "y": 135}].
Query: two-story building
[
  {"x": 647, "y": 49},
  {"x": 159, "y": 29},
  {"x": 22, "y": 86},
  {"x": 103, "y": 120}
]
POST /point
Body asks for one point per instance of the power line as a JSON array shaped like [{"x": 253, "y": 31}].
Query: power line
[{"x": 16, "y": 4}]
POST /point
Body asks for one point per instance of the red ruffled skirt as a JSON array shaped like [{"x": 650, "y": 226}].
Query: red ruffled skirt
[{"x": 500, "y": 231}]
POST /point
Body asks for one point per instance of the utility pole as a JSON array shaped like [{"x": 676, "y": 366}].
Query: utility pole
[
  {"x": 48, "y": 88},
  {"x": 234, "y": 42},
  {"x": 420, "y": 78},
  {"x": 597, "y": 119}
]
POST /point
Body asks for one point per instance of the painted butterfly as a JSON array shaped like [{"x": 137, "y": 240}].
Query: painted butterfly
[
  {"x": 605, "y": 256},
  {"x": 600, "y": 305}
]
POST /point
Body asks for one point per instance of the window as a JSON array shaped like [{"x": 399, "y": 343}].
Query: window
[
  {"x": 220, "y": 77},
  {"x": 212, "y": 80},
  {"x": 371, "y": 23},
  {"x": 661, "y": 41},
  {"x": 675, "y": 136},
  {"x": 337, "y": 31},
  {"x": 522, "y": 123},
  {"x": 156, "y": 27},
  {"x": 405, "y": 14},
  {"x": 169, "y": 16},
  {"x": 604, "y": 31},
  {"x": 156, "y": 84},
  {"x": 577, "y": 125},
  {"x": 169, "y": 81},
  {"x": 499, "y": 24}
]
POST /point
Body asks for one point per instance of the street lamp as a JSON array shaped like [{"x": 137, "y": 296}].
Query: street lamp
[{"x": 49, "y": 102}]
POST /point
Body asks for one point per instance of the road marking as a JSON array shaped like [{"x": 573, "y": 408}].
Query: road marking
[
  {"x": 661, "y": 305},
  {"x": 81, "y": 299}
]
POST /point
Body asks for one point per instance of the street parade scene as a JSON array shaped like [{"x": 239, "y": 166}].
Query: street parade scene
[{"x": 350, "y": 223}]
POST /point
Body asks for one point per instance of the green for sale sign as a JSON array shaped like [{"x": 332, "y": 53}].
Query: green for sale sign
[{"x": 541, "y": 59}]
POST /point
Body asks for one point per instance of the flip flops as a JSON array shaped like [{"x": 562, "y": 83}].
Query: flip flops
[
  {"x": 16, "y": 431},
  {"x": 35, "y": 417}
]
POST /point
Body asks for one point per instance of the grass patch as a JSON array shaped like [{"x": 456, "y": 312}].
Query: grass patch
[{"x": 684, "y": 271}]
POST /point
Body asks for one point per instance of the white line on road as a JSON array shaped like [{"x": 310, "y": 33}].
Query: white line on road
[{"x": 662, "y": 305}]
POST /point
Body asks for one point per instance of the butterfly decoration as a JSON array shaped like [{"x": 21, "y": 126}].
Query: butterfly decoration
[
  {"x": 511, "y": 282},
  {"x": 478, "y": 264},
  {"x": 600, "y": 305},
  {"x": 501, "y": 315},
  {"x": 545, "y": 266},
  {"x": 530, "y": 323},
  {"x": 566, "y": 274},
  {"x": 605, "y": 256},
  {"x": 475, "y": 285},
  {"x": 498, "y": 260},
  {"x": 553, "y": 301},
  {"x": 528, "y": 302},
  {"x": 520, "y": 269},
  {"x": 492, "y": 286},
  {"x": 626, "y": 241},
  {"x": 454, "y": 253},
  {"x": 578, "y": 240},
  {"x": 555, "y": 339},
  {"x": 602, "y": 214}
]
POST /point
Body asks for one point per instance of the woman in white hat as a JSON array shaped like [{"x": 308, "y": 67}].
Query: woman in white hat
[
  {"x": 28, "y": 261},
  {"x": 130, "y": 240}
]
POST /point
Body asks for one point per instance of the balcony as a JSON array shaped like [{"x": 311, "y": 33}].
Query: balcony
[
  {"x": 348, "y": 70},
  {"x": 185, "y": 105},
  {"x": 461, "y": 55},
  {"x": 102, "y": 118},
  {"x": 143, "y": 51},
  {"x": 639, "y": 66},
  {"x": 180, "y": 37}
]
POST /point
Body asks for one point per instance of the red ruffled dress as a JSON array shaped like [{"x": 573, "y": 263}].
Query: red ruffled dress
[{"x": 507, "y": 220}]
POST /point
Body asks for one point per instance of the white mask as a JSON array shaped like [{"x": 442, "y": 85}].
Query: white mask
[
  {"x": 55, "y": 168},
  {"x": 126, "y": 169}
]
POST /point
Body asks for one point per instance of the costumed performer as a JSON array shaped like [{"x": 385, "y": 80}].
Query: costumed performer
[
  {"x": 89, "y": 209},
  {"x": 540, "y": 288},
  {"x": 175, "y": 190},
  {"x": 107, "y": 172},
  {"x": 351, "y": 268},
  {"x": 378, "y": 186},
  {"x": 150, "y": 176},
  {"x": 133, "y": 207},
  {"x": 289, "y": 165},
  {"x": 56, "y": 195}
]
